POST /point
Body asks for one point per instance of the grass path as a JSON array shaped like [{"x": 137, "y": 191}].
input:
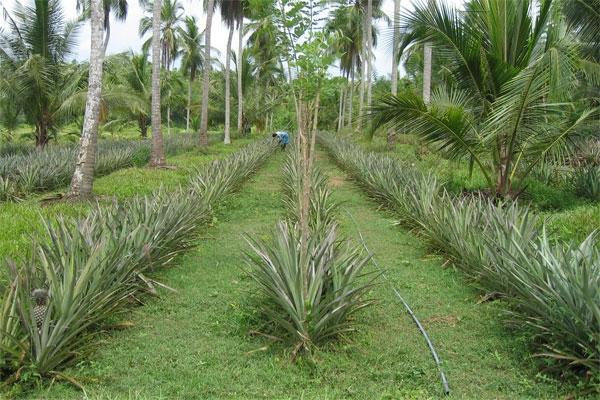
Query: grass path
[{"x": 194, "y": 344}]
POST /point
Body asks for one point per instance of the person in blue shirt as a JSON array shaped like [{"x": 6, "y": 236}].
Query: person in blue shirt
[{"x": 283, "y": 138}]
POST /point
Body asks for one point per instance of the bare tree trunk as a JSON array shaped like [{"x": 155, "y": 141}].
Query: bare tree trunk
[
  {"x": 313, "y": 139},
  {"x": 143, "y": 125},
  {"x": 350, "y": 100},
  {"x": 369, "y": 24},
  {"x": 169, "y": 119},
  {"x": 189, "y": 106},
  {"x": 41, "y": 134},
  {"x": 239, "y": 75},
  {"x": 341, "y": 111},
  {"x": 304, "y": 131},
  {"x": 361, "y": 95},
  {"x": 391, "y": 132},
  {"x": 227, "y": 139},
  {"x": 206, "y": 75},
  {"x": 157, "y": 157},
  {"x": 83, "y": 177},
  {"x": 106, "y": 29},
  {"x": 427, "y": 52}
]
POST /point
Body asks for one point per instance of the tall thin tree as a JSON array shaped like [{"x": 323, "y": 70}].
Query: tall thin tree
[
  {"x": 396, "y": 42},
  {"x": 83, "y": 177},
  {"x": 192, "y": 58},
  {"x": 230, "y": 14},
  {"x": 206, "y": 75},
  {"x": 427, "y": 53},
  {"x": 240, "y": 91},
  {"x": 369, "y": 51},
  {"x": 157, "y": 157}
]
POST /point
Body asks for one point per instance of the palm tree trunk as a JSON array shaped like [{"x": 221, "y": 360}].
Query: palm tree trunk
[
  {"x": 157, "y": 157},
  {"x": 391, "y": 132},
  {"x": 239, "y": 75},
  {"x": 227, "y": 139},
  {"x": 341, "y": 111},
  {"x": 189, "y": 105},
  {"x": 143, "y": 125},
  {"x": 350, "y": 100},
  {"x": 361, "y": 96},
  {"x": 427, "y": 52},
  {"x": 169, "y": 119},
  {"x": 106, "y": 28},
  {"x": 83, "y": 177},
  {"x": 369, "y": 27},
  {"x": 206, "y": 75}
]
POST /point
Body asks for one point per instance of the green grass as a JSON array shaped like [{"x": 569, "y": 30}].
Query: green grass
[
  {"x": 22, "y": 220},
  {"x": 196, "y": 344}
]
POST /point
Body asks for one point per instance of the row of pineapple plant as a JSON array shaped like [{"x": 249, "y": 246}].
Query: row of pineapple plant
[
  {"x": 31, "y": 172},
  {"x": 552, "y": 288},
  {"x": 308, "y": 297},
  {"x": 83, "y": 271}
]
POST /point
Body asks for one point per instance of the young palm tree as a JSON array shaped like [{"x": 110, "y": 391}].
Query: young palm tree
[
  {"x": 130, "y": 75},
  {"x": 83, "y": 177},
  {"x": 231, "y": 13},
  {"x": 157, "y": 157},
  {"x": 584, "y": 18},
  {"x": 33, "y": 51},
  {"x": 192, "y": 57},
  {"x": 206, "y": 75},
  {"x": 513, "y": 72}
]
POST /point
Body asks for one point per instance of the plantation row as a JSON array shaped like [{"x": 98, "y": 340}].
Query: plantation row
[
  {"x": 34, "y": 171},
  {"x": 310, "y": 284},
  {"x": 85, "y": 271},
  {"x": 553, "y": 289}
]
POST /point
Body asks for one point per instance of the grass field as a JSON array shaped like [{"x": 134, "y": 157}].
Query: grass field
[{"x": 197, "y": 343}]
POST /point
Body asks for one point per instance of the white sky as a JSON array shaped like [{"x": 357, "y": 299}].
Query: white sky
[{"x": 124, "y": 35}]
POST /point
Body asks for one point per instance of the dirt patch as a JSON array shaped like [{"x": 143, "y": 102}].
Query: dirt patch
[
  {"x": 336, "y": 181},
  {"x": 449, "y": 320}
]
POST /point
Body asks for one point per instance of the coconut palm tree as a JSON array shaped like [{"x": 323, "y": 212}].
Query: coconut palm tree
[
  {"x": 350, "y": 19},
  {"x": 118, "y": 8},
  {"x": 129, "y": 76},
  {"x": 157, "y": 157},
  {"x": 171, "y": 18},
  {"x": 240, "y": 92},
  {"x": 395, "y": 61},
  {"x": 206, "y": 75},
  {"x": 510, "y": 105},
  {"x": 83, "y": 176},
  {"x": 172, "y": 13},
  {"x": 427, "y": 53},
  {"x": 33, "y": 51},
  {"x": 231, "y": 13},
  {"x": 369, "y": 50},
  {"x": 584, "y": 17},
  {"x": 192, "y": 53}
]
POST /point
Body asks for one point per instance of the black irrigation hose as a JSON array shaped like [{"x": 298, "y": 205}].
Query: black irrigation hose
[{"x": 434, "y": 354}]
